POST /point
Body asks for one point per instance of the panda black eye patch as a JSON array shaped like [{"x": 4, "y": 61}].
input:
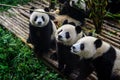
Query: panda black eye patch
[
  {"x": 43, "y": 18},
  {"x": 67, "y": 35},
  {"x": 35, "y": 18},
  {"x": 81, "y": 46}
]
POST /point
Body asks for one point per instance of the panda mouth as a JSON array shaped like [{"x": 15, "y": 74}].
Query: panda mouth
[
  {"x": 60, "y": 39},
  {"x": 73, "y": 51}
]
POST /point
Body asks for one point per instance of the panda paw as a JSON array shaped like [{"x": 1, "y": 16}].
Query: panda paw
[{"x": 28, "y": 40}]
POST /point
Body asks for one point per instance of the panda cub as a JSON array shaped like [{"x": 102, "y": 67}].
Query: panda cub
[
  {"x": 66, "y": 36},
  {"x": 41, "y": 31},
  {"x": 104, "y": 57}
]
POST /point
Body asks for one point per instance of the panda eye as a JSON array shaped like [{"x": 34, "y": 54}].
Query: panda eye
[
  {"x": 35, "y": 18},
  {"x": 81, "y": 46},
  {"x": 43, "y": 18},
  {"x": 60, "y": 31},
  {"x": 67, "y": 35}
]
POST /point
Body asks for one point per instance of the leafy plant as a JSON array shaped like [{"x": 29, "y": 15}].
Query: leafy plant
[
  {"x": 17, "y": 61},
  {"x": 98, "y": 12},
  {"x": 11, "y": 2},
  {"x": 52, "y": 4},
  {"x": 113, "y": 16}
]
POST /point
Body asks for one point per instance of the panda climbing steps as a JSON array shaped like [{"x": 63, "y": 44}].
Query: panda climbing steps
[{"x": 41, "y": 31}]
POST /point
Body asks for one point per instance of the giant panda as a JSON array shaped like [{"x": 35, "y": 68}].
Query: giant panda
[
  {"x": 66, "y": 36},
  {"x": 78, "y": 14},
  {"x": 41, "y": 31},
  {"x": 104, "y": 57}
]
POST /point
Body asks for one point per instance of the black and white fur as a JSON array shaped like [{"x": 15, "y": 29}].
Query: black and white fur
[
  {"x": 66, "y": 36},
  {"x": 41, "y": 31},
  {"x": 104, "y": 57},
  {"x": 73, "y": 12}
]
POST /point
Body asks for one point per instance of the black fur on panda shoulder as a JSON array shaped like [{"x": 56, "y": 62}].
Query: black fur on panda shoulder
[
  {"x": 73, "y": 12},
  {"x": 40, "y": 37}
]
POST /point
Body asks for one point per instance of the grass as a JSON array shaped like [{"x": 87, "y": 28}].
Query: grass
[{"x": 17, "y": 61}]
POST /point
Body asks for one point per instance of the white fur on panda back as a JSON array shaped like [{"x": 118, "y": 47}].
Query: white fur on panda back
[{"x": 104, "y": 48}]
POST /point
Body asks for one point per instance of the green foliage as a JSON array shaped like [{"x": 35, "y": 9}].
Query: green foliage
[
  {"x": 113, "y": 16},
  {"x": 98, "y": 12},
  {"x": 11, "y": 2},
  {"x": 17, "y": 61}
]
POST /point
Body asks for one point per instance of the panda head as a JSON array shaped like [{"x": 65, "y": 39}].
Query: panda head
[
  {"x": 78, "y": 3},
  {"x": 39, "y": 18},
  {"x": 89, "y": 47},
  {"x": 68, "y": 33}
]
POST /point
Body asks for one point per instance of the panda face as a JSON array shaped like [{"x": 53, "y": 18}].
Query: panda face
[
  {"x": 73, "y": 2},
  {"x": 84, "y": 47},
  {"x": 82, "y": 4},
  {"x": 39, "y": 19},
  {"x": 90, "y": 47},
  {"x": 67, "y": 34}
]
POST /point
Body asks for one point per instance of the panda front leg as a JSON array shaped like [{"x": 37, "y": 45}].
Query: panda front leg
[
  {"x": 103, "y": 69},
  {"x": 68, "y": 70},
  {"x": 60, "y": 65},
  {"x": 53, "y": 44},
  {"x": 29, "y": 39},
  {"x": 60, "y": 53},
  {"x": 37, "y": 51},
  {"x": 60, "y": 61},
  {"x": 85, "y": 69}
]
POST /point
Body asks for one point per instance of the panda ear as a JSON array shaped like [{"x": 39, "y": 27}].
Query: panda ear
[
  {"x": 72, "y": 23},
  {"x": 98, "y": 43},
  {"x": 65, "y": 22},
  {"x": 78, "y": 29},
  {"x": 47, "y": 9},
  {"x": 32, "y": 9}
]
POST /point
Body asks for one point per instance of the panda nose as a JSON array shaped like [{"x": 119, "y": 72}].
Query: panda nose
[
  {"x": 39, "y": 23},
  {"x": 73, "y": 47},
  {"x": 59, "y": 37}
]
